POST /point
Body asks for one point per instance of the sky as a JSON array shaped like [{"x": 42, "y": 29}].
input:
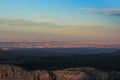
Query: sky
[{"x": 60, "y": 20}]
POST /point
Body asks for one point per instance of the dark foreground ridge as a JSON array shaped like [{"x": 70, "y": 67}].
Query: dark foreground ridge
[
  {"x": 10, "y": 72},
  {"x": 31, "y": 61}
]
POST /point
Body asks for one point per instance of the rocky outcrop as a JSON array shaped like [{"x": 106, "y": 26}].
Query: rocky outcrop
[
  {"x": 9, "y": 72},
  {"x": 86, "y": 74}
]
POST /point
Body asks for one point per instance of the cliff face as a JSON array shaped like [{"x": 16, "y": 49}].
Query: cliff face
[
  {"x": 9, "y": 72},
  {"x": 85, "y": 74}
]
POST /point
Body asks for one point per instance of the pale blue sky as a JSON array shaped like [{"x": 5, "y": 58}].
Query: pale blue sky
[{"x": 79, "y": 20}]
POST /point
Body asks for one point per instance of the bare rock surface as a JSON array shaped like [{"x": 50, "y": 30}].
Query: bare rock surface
[{"x": 10, "y": 72}]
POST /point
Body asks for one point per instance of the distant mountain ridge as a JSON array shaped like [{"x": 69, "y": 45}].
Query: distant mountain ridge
[
  {"x": 58, "y": 44},
  {"x": 58, "y": 51}
]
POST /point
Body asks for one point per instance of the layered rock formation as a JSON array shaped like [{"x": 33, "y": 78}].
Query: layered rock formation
[{"x": 10, "y": 72}]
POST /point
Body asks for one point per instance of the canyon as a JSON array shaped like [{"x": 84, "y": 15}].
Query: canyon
[{"x": 22, "y": 64}]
